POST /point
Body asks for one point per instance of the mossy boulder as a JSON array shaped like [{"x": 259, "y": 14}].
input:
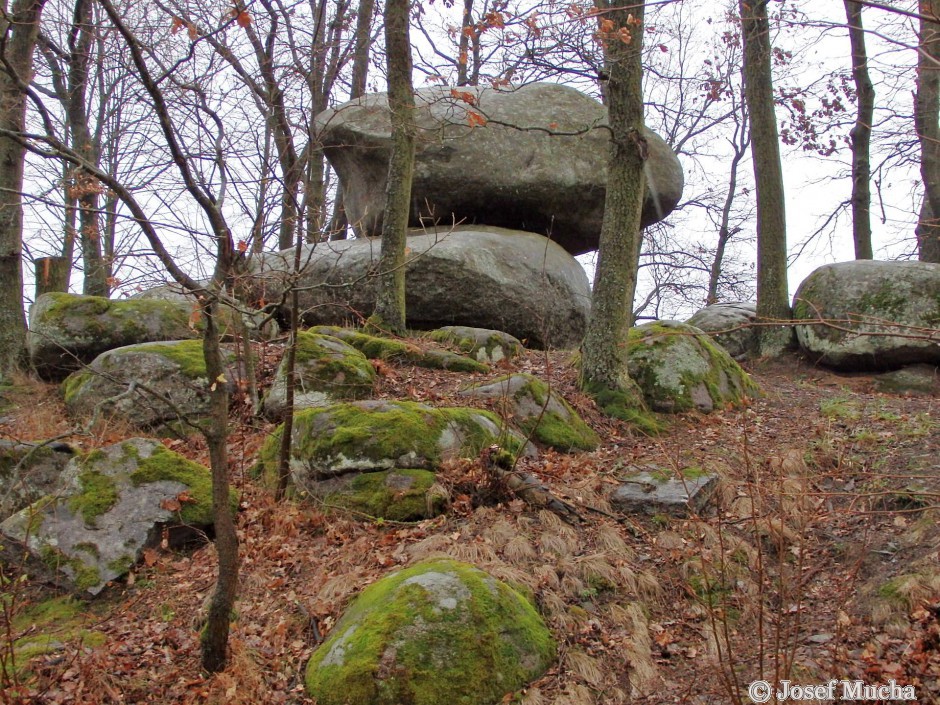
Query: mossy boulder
[
  {"x": 327, "y": 370},
  {"x": 68, "y": 331},
  {"x": 482, "y": 344},
  {"x": 679, "y": 368},
  {"x": 386, "y": 349},
  {"x": 437, "y": 632},
  {"x": 367, "y": 436},
  {"x": 109, "y": 505},
  {"x": 731, "y": 325},
  {"x": 870, "y": 315},
  {"x": 29, "y": 471},
  {"x": 539, "y": 411},
  {"x": 398, "y": 495},
  {"x": 153, "y": 386}
]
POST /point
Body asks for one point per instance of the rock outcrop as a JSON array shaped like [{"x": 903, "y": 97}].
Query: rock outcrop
[
  {"x": 679, "y": 368},
  {"x": 438, "y": 632},
  {"x": 484, "y": 277},
  {"x": 483, "y": 344},
  {"x": 538, "y": 164},
  {"x": 730, "y": 325},
  {"x": 29, "y": 471},
  {"x": 68, "y": 331},
  {"x": 327, "y": 370},
  {"x": 109, "y": 506},
  {"x": 158, "y": 386},
  {"x": 540, "y": 412},
  {"x": 871, "y": 315}
]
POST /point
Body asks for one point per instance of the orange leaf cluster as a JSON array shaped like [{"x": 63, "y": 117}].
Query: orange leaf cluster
[
  {"x": 474, "y": 119},
  {"x": 466, "y": 97}
]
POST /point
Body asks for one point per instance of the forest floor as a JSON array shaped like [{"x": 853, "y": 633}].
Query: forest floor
[{"x": 818, "y": 559}]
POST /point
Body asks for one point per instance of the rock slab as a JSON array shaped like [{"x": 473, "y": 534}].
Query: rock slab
[
  {"x": 520, "y": 283},
  {"x": 731, "y": 326},
  {"x": 537, "y": 164}
]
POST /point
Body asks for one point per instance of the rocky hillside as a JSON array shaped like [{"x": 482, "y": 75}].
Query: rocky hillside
[{"x": 810, "y": 543}]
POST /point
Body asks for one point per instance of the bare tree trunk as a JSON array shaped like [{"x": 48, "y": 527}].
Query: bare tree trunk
[
  {"x": 86, "y": 188},
  {"x": 390, "y": 294},
  {"x": 926, "y": 114},
  {"x": 215, "y": 636},
  {"x": 861, "y": 134},
  {"x": 772, "y": 298},
  {"x": 725, "y": 233},
  {"x": 360, "y": 72},
  {"x": 604, "y": 352},
  {"x": 51, "y": 274},
  {"x": 19, "y": 30}
]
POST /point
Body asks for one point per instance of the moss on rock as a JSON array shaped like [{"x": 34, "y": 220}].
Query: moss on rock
[
  {"x": 187, "y": 354},
  {"x": 382, "y": 435},
  {"x": 481, "y": 344},
  {"x": 98, "y": 495},
  {"x": 398, "y": 495},
  {"x": 377, "y": 348},
  {"x": 678, "y": 368},
  {"x": 538, "y": 411},
  {"x": 437, "y": 632}
]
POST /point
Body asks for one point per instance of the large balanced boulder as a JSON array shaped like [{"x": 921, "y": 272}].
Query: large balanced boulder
[
  {"x": 351, "y": 438},
  {"x": 326, "y": 370},
  {"x": 538, "y": 410},
  {"x": 438, "y": 632},
  {"x": 678, "y": 368},
  {"x": 153, "y": 386},
  {"x": 531, "y": 159},
  {"x": 68, "y": 331},
  {"x": 109, "y": 506},
  {"x": 731, "y": 325},
  {"x": 520, "y": 283},
  {"x": 870, "y": 315}
]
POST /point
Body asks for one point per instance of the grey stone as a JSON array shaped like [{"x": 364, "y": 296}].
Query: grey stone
[
  {"x": 538, "y": 410},
  {"x": 659, "y": 492},
  {"x": 108, "y": 507},
  {"x": 539, "y": 164},
  {"x": 327, "y": 370},
  {"x": 482, "y": 344},
  {"x": 68, "y": 331},
  {"x": 515, "y": 282},
  {"x": 159, "y": 386},
  {"x": 872, "y": 315},
  {"x": 916, "y": 379},
  {"x": 28, "y": 471},
  {"x": 678, "y": 368},
  {"x": 730, "y": 325}
]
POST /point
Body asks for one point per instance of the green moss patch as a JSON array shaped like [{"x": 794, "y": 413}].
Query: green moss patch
[
  {"x": 376, "y": 348},
  {"x": 438, "y": 632},
  {"x": 627, "y": 407},
  {"x": 164, "y": 464},
  {"x": 187, "y": 354},
  {"x": 98, "y": 495},
  {"x": 398, "y": 495}
]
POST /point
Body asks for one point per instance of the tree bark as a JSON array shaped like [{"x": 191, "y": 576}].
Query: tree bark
[
  {"x": 772, "y": 296},
  {"x": 52, "y": 274},
  {"x": 926, "y": 114},
  {"x": 390, "y": 295},
  {"x": 18, "y": 37},
  {"x": 85, "y": 187},
  {"x": 604, "y": 352},
  {"x": 861, "y": 134}
]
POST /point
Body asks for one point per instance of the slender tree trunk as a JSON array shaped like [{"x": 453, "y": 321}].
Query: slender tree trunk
[
  {"x": 18, "y": 37},
  {"x": 772, "y": 296},
  {"x": 360, "y": 72},
  {"x": 926, "y": 114},
  {"x": 604, "y": 352},
  {"x": 390, "y": 294},
  {"x": 861, "y": 134},
  {"x": 215, "y": 634},
  {"x": 86, "y": 188},
  {"x": 725, "y": 232}
]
